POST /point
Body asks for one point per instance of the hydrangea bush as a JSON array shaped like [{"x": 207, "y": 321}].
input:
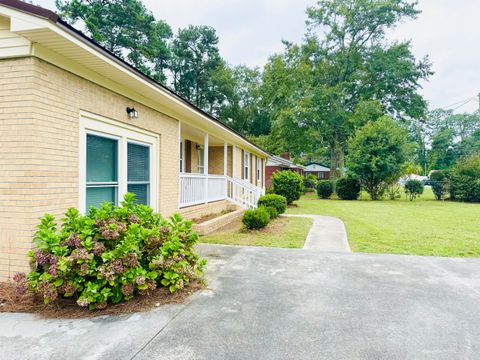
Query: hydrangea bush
[{"x": 112, "y": 254}]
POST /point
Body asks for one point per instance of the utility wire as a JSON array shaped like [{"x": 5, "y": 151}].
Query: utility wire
[
  {"x": 465, "y": 103},
  {"x": 458, "y": 102}
]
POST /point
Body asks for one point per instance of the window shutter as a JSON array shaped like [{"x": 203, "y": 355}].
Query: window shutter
[{"x": 188, "y": 156}]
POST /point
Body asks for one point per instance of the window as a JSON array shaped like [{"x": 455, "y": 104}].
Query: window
[
  {"x": 259, "y": 169},
  {"x": 138, "y": 174},
  {"x": 201, "y": 160},
  {"x": 246, "y": 165},
  {"x": 116, "y": 159},
  {"x": 102, "y": 170},
  {"x": 182, "y": 156}
]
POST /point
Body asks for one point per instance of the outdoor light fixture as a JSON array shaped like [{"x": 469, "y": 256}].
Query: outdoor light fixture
[{"x": 132, "y": 113}]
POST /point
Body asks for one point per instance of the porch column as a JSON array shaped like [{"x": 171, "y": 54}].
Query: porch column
[
  {"x": 205, "y": 165},
  {"x": 234, "y": 171},
  {"x": 225, "y": 158},
  {"x": 178, "y": 164}
]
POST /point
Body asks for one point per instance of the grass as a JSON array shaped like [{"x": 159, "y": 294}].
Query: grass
[
  {"x": 420, "y": 227},
  {"x": 282, "y": 232}
]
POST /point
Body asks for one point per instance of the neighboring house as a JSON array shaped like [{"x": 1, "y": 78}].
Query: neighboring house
[
  {"x": 317, "y": 169},
  {"x": 79, "y": 126},
  {"x": 280, "y": 163}
]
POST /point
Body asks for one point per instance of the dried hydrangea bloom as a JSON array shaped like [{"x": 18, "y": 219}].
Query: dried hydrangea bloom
[
  {"x": 133, "y": 219},
  {"x": 48, "y": 290},
  {"x": 101, "y": 305},
  {"x": 152, "y": 285},
  {"x": 117, "y": 267},
  {"x": 21, "y": 283},
  {"x": 82, "y": 302},
  {"x": 140, "y": 280},
  {"x": 42, "y": 258},
  {"x": 131, "y": 260},
  {"x": 84, "y": 269},
  {"x": 98, "y": 248},
  {"x": 127, "y": 289},
  {"x": 73, "y": 241}
]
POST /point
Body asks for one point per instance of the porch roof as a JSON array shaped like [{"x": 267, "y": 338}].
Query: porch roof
[{"x": 57, "y": 42}]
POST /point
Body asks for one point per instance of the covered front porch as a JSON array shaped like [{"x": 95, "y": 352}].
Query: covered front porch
[{"x": 211, "y": 169}]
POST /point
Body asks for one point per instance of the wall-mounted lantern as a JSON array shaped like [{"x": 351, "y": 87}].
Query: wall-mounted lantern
[{"x": 132, "y": 113}]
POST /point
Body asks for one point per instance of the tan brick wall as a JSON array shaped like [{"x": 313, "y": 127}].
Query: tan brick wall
[
  {"x": 39, "y": 132},
  {"x": 197, "y": 211}
]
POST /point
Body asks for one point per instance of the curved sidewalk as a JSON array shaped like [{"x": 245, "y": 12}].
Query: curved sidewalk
[{"x": 326, "y": 234}]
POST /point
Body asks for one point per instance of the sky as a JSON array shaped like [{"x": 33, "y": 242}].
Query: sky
[{"x": 250, "y": 31}]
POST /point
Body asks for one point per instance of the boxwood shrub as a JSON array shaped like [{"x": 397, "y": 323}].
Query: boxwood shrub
[
  {"x": 465, "y": 179},
  {"x": 256, "y": 218},
  {"x": 289, "y": 184},
  {"x": 112, "y": 254},
  {"x": 413, "y": 188},
  {"x": 272, "y": 212},
  {"x": 348, "y": 188},
  {"x": 277, "y": 201},
  {"x": 324, "y": 189}
]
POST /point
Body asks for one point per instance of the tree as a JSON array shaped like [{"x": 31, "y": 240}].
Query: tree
[
  {"x": 124, "y": 27},
  {"x": 413, "y": 188},
  {"x": 195, "y": 59},
  {"x": 442, "y": 154},
  {"x": 376, "y": 155}
]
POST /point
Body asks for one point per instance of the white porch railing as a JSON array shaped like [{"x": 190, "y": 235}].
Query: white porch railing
[{"x": 200, "y": 188}]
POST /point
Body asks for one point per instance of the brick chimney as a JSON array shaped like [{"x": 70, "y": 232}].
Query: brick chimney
[{"x": 285, "y": 155}]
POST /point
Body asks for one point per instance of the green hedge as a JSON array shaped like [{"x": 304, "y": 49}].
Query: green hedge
[
  {"x": 288, "y": 184},
  {"x": 256, "y": 218},
  {"x": 324, "y": 189},
  {"x": 277, "y": 201},
  {"x": 348, "y": 188}
]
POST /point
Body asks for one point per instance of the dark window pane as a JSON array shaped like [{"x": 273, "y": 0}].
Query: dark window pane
[
  {"x": 141, "y": 192},
  {"x": 101, "y": 159},
  {"x": 97, "y": 195},
  {"x": 138, "y": 162}
]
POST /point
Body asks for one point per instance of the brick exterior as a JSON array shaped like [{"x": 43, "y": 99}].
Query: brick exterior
[
  {"x": 39, "y": 132},
  {"x": 214, "y": 224},
  {"x": 40, "y": 106}
]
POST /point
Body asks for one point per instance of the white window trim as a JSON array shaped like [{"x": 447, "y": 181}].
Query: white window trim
[
  {"x": 259, "y": 168},
  {"x": 200, "y": 166},
  {"x": 101, "y": 126},
  {"x": 246, "y": 165},
  {"x": 181, "y": 155}
]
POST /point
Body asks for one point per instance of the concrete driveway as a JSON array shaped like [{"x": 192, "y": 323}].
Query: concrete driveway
[{"x": 266, "y": 303}]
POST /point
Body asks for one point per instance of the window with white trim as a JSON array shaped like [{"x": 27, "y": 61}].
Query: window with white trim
[
  {"x": 102, "y": 170},
  {"x": 246, "y": 165},
  {"x": 182, "y": 156},
  {"x": 116, "y": 160},
  {"x": 201, "y": 159},
  {"x": 259, "y": 169}
]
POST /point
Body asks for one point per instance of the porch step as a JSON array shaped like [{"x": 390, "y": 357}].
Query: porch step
[{"x": 214, "y": 224}]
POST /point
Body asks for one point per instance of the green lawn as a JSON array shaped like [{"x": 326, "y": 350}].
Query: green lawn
[
  {"x": 421, "y": 227},
  {"x": 281, "y": 232}
]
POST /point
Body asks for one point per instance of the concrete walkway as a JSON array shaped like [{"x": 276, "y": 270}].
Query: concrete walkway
[{"x": 326, "y": 234}]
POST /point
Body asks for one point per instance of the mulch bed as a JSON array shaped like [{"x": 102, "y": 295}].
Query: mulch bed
[{"x": 10, "y": 301}]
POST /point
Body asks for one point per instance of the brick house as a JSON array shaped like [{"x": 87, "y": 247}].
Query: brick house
[
  {"x": 79, "y": 126},
  {"x": 280, "y": 163},
  {"x": 319, "y": 170}
]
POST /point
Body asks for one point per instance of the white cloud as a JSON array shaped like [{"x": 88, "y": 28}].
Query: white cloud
[{"x": 251, "y": 30}]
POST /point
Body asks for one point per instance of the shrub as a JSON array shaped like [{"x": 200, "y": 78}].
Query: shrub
[
  {"x": 277, "y": 201},
  {"x": 324, "y": 189},
  {"x": 256, "y": 219},
  {"x": 112, "y": 254},
  {"x": 465, "y": 179},
  {"x": 413, "y": 188},
  {"x": 272, "y": 212},
  {"x": 348, "y": 188},
  {"x": 438, "y": 182},
  {"x": 393, "y": 191},
  {"x": 289, "y": 184},
  {"x": 310, "y": 182}
]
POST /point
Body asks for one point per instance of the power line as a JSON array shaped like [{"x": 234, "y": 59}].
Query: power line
[{"x": 465, "y": 101}]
